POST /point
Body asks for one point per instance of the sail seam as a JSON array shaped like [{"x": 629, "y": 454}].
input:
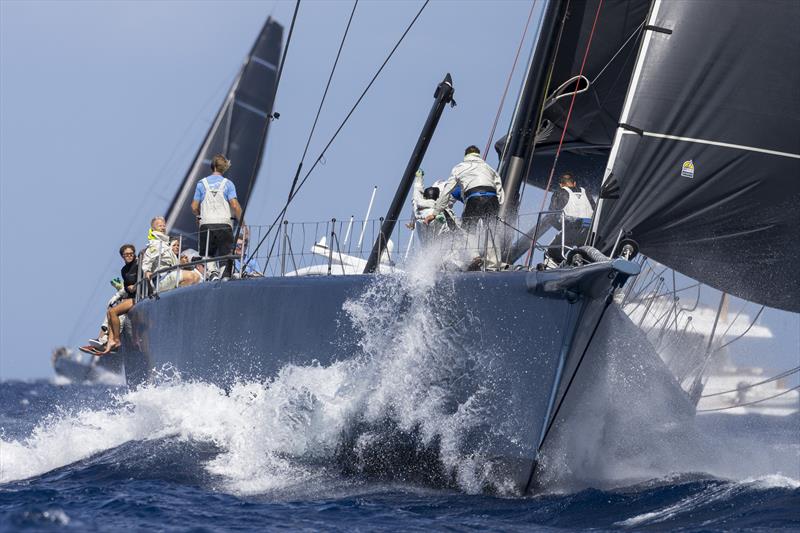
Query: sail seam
[
  {"x": 264, "y": 63},
  {"x": 257, "y": 111},
  {"x": 632, "y": 129},
  {"x": 714, "y": 143}
]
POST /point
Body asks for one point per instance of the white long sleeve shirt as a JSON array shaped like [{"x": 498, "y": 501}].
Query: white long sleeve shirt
[{"x": 472, "y": 172}]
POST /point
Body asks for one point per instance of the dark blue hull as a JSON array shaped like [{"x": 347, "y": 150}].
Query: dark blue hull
[{"x": 512, "y": 340}]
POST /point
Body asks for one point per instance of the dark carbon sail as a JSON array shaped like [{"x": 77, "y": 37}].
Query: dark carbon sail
[
  {"x": 609, "y": 64},
  {"x": 706, "y": 164},
  {"x": 236, "y": 130}
]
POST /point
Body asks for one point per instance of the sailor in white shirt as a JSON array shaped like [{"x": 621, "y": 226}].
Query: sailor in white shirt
[
  {"x": 482, "y": 190},
  {"x": 578, "y": 208}
]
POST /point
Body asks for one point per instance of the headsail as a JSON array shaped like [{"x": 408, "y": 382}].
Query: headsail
[
  {"x": 608, "y": 68},
  {"x": 236, "y": 130},
  {"x": 707, "y": 160}
]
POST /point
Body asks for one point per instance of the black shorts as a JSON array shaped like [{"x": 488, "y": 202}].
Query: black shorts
[
  {"x": 477, "y": 208},
  {"x": 220, "y": 240}
]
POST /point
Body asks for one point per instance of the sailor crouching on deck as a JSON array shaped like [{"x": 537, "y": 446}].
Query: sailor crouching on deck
[
  {"x": 481, "y": 186},
  {"x": 578, "y": 208},
  {"x": 215, "y": 204}
]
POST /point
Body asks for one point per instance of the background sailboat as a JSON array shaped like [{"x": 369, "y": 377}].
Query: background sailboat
[{"x": 239, "y": 131}]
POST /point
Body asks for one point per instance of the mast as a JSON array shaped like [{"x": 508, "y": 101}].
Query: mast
[
  {"x": 520, "y": 141},
  {"x": 443, "y": 95}
]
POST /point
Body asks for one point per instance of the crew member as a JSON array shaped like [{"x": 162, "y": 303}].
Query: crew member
[
  {"x": 578, "y": 207},
  {"x": 481, "y": 186},
  {"x": 424, "y": 201},
  {"x": 129, "y": 278},
  {"x": 215, "y": 205},
  {"x": 159, "y": 255}
]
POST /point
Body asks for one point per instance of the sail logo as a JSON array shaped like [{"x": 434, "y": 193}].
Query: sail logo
[{"x": 687, "y": 170}]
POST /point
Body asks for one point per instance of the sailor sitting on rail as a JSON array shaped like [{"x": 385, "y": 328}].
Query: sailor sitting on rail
[
  {"x": 159, "y": 255},
  {"x": 124, "y": 297},
  {"x": 190, "y": 273},
  {"x": 129, "y": 276},
  {"x": 578, "y": 207}
]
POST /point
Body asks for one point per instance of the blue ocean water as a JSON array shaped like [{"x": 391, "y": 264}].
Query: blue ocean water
[{"x": 190, "y": 457}]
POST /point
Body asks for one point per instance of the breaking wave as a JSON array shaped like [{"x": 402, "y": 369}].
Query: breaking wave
[
  {"x": 389, "y": 415},
  {"x": 384, "y": 414}
]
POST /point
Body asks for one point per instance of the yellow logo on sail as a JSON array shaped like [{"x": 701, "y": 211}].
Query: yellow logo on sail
[{"x": 687, "y": 171}]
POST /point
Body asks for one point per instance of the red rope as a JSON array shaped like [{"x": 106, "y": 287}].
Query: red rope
[
  {"x": 508, "y": 82},
  {"x": 571, "y": 104}
]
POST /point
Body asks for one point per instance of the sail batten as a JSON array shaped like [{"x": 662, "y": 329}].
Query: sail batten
[{"x": 714, "y": 143}]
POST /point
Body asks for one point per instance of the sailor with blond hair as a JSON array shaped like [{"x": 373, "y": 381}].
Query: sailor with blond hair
[{"x": 215, "y": 206}]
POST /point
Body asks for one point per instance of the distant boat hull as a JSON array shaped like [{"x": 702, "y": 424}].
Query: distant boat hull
[
  {"x": 519, "y": 335},
  {"x": 106, "y": 369}
]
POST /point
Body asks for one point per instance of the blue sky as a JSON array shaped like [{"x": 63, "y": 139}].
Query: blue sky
[{"x": 103, "y": 105}]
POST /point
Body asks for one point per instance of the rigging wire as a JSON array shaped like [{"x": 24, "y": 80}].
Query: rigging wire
[
  {"x": 335, "y": 134},
  {"x": 313, "y": 127},
  {"x": 322, "y": 101},
  {"x": 745, "y": 332},
  {"x": 571, "y": 105},
  {"x": 360, "y": 98},
  {"x": 618, "y": 52},
  {"x": 508, "y": 81},
  {"x": 749, "y": 403},
  {"x": 782, "y": 375}
]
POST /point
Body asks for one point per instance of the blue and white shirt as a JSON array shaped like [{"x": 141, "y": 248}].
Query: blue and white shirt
[{"x": 213, "y": 181}]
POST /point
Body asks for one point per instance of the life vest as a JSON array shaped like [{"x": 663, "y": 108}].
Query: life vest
[
  {"x": 215, "y": 209},
  {"x": 578, "y": 205}
]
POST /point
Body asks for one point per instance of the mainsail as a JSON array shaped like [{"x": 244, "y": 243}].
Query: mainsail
[
  {"x": 236, "y": 130},
  {"x": 608, "y": 68},
  {"x": 706, "y": 162}
]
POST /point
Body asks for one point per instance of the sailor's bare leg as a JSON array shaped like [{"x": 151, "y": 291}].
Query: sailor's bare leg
[{"x": 113, "y": 324}]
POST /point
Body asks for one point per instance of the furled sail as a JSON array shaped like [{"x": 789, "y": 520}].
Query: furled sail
[
  {"x": 609, "y": 64},
  {"x": 236, "y": 131},
  {"x": 706, "y": 162}
]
